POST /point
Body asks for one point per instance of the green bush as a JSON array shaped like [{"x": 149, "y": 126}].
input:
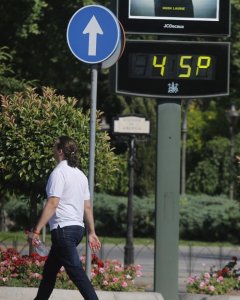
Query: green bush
[
  {"x": 29, "y": 125},
  {"x": 111, "y": 215},
  {"x": 18, "y": 212},
  {"x": 209, "y": 218},
  {"x": 202, "y": 217}
]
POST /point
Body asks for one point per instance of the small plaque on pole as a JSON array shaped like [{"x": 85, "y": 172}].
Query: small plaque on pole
[{"x": 131, "y": 125}]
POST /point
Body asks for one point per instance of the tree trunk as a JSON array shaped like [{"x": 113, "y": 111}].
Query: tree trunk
[{"x": 2, "y": 213}]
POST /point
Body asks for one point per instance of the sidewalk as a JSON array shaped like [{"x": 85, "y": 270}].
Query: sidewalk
[{"x": 8, "y": 293}]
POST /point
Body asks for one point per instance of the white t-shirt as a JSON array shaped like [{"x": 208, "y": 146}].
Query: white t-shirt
[{"x": 71, "y": 186}]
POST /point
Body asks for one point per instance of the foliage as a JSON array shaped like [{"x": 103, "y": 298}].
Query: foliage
[
  {"x": 197, "y": 125},
  {"x": 120, "y": 187},
  {"x": 30, "y": 25},
  {"x": 110, "y": 215},
  {"x": 9, "y": 83},
  {"x": 209, "y": 218},
  {"x": 235, "y": 48},
  {"x": 40, "y": 52},
  {"x": 220, "y": 282},
  {"x": 109, "y": 275},
  {"x": 202, "y": 217},
  {"x": 211, "y": 175},
  {"x": 36, "y": 41},
  {"x": 17, "y": 209},
  {"x": 29, "y": 125}
]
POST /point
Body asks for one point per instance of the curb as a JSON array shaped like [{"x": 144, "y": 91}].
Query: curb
[
  {"x": 19, "y": 293},
  {"x": 207, "y": 297}
]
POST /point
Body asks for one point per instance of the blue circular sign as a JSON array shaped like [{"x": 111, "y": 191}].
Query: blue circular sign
[{"x": 93, "y": 34}]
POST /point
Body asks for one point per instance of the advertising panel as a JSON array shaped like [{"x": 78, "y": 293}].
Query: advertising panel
[
  {"x": 202, "y": 10},
  {"x": 175, "y": 17}
]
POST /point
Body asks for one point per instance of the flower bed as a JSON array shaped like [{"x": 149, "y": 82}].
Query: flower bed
[
  {"x": 225, "y": 281},
  {"x": 25, "y": 271}
]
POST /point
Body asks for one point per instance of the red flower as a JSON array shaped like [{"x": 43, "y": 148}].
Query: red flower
[
  {"x": 100, "y": 264},
  {"x": 97, "y": 261},
  {"x": 94, "y": 259},
  {"x": 223, "y": 272}
]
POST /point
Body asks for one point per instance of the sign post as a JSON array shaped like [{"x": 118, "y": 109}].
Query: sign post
[
  {"x": 93, "y": 35},
  {"x": 130, "y": 127},
  {"x": 167, "y": 199},
  {"x": 172, "y": 70},
  {"x": 91, "y": 164}
]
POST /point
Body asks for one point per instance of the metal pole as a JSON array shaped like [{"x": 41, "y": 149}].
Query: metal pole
[
  {"x": 190, "y": 256},
  {"x": 129, "y": 249},
  {"x": 94, "y": 78},
  {"x": 44, "y": 227},
  {"x": 167, "y": 199},
  {"x": 231, "y": 188},
  {"x": 184, "y": 144}
]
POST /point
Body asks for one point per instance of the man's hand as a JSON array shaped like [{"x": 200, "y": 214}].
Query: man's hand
[
  {"x": 93, "y": 240},
  {"x": 33, "y": 238},
  {"x": 94, "y": 243}
]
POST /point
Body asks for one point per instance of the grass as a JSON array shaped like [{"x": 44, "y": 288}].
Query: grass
[
  {"x": 206, "y": 244},
  {"x": 20, "y": 237}
]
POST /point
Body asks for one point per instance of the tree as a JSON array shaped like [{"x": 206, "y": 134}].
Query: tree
[
  {"x": 37, "y": 37},
  {"x": 9, "y": 83},
  {"x": 235, "y": 49},
  {"x": 211, "y": 175},
  {"x": 37, "y": 40},
  {"x": 29, "y": 125}
]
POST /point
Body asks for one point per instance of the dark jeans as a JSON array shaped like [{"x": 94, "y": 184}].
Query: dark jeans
[{"x": 64, "y": 253}]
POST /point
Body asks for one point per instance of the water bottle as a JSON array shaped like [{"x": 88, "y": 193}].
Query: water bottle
[{"x": 40, "y": 248}]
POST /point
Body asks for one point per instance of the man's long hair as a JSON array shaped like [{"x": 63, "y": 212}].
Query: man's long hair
[{"x": 69, "y": 148}]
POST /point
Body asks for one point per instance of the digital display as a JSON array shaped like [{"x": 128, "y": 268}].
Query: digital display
[
  {"x": 174, "y": 9},
  {"x": 169, "y": 66},
  {"x": 173, "y": 69},
  {"x": 175, "y": 17}
]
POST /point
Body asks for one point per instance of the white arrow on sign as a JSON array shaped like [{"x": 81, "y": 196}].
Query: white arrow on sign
[{"x": 93, "y": 29}]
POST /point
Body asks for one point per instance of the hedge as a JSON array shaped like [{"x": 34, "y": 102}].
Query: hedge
[{"x": 202, "y": 217}]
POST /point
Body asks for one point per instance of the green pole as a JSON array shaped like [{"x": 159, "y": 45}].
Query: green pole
[{"x": 167, "y": 199}]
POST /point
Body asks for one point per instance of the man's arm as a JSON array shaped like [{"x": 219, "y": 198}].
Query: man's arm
[
  {"x": 48, "y": 211},
  {"x": 93, "y": 240}
]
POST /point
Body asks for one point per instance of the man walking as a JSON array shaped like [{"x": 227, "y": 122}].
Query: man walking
[{"x": 67, "y": 209}]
